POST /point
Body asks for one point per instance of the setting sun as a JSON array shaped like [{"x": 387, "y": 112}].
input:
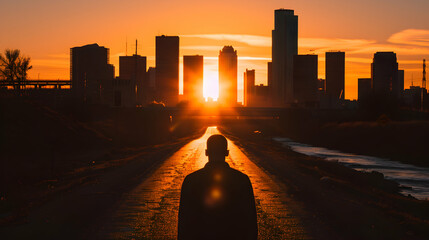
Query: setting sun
[{"x": 211, "y": 85}]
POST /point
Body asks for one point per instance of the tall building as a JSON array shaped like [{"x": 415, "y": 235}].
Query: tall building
[
  {"x": 151, "y": 76},
  {"x": 284, "y": 48},
  {"x": 167, "y": 69},
  {"x": 305, "y": 83},
  {"x": 401, "y": 77},
  {"x": 270, "y": 73},
  {"x": 133, "y": 68},
  {"x": 364, "y": 88},
  {"x": 335, "y": 74},
  {"x": 193, "y": 77},
  {"x": 249, "y": 87},
  {"x": 90, "y": 72},
  {"x": 261, "y": 96},
  {"x": 385, "y": 73},
  {"x": 228, "y": 76}
]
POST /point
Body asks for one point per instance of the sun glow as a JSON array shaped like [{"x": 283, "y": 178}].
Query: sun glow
[{"x": 211, "y": 85}]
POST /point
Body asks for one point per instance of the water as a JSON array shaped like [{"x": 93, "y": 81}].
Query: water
[{"x": 414, "y": 180}]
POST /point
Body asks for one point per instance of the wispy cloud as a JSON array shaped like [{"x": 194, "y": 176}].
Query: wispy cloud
[
  {"x": 416, "y": 37},
  {"x": 201, "y": 47},
  {"x": 52, "y": 63},
  {"x": 251, "y": 40},
  {"x": 328, "y": 44}
]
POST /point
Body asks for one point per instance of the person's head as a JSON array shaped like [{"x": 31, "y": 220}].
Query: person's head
[{"x": 217, "y": 148}]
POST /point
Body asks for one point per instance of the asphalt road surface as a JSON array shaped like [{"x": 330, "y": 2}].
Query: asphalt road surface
[{"x": 150, "y": 210}]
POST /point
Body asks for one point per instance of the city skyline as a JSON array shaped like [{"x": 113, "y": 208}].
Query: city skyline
[{"x": 358, "y": 35}]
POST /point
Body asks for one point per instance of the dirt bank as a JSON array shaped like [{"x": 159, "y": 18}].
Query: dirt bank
[{"x": 352, "y": 204}]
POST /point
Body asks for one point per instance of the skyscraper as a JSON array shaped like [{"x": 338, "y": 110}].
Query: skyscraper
[
  {"x": 335, "y": 74},
  {"x": 134, "y": 68},
  {"x": 167, "y": 69},
  {"x": 401, "y": 76},
  {"x": 364, "y": 88},
  {"x": 270, "y": 73},
  {"x": 90, "y": 72},
  {"x": 385, "y": 73},
  {"x": 249, "y": 87},
  {"x": 193, "y": 72},
  {"x": 305, "y": 84},
  {"x": 284, "y": 48},
  {"x": 228, "y": 76}
]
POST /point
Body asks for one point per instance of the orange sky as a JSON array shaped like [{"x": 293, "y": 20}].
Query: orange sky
[{"x": 47, "y": 29}]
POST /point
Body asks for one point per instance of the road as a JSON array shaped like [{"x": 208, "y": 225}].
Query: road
[{"x": 150, "y": 210}]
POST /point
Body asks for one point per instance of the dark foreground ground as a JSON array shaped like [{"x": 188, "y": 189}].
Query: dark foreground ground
[
  {"x": 328, "y": 200},
  {"x": 64, "y": 177},
  {"x": 350, "y": 204}
]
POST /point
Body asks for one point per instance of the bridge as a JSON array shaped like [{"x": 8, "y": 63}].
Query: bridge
[{"x": 38, "y": 84}]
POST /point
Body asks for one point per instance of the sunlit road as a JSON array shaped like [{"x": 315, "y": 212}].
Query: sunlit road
[{"x": 150, "y": 211}]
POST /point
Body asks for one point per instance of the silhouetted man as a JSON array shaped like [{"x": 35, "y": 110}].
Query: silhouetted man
[{"x": 217, "y": 201}]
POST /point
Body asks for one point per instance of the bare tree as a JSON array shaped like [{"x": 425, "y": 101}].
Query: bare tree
[{"x": 14, "y": 67}]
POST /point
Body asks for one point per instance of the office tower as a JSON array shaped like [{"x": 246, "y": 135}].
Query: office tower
[
  {"x": 284, "y": 48},
  {"x": 270, "y": 74},
  {"x": 193, "y": 77},
  {"x": 385, "y": 73},
  {"x": 261, "y": 96},
  {"x": 151, "y": 76},
  {"x": 401, "y": 76},
  {"x": 228, "y": 76},
  {"x": 134, "y": 68},
  {"x": 167, "y": 69},
  {"x": 335, "y": 74},
  {"x": 364, "y": 88},
  {"x": 321, "y": 85},
  {"x": 305, "y": 83},
  {"x": 90, "y": 72},
  {"x": 249, "y": 87}
]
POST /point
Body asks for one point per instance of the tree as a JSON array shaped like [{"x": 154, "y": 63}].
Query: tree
[{"x": 14, "y": 67}]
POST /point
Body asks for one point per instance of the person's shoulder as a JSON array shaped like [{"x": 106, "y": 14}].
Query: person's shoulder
[
  {"x": 239, "y": 174},
  {"x": 194, "y": 175}
]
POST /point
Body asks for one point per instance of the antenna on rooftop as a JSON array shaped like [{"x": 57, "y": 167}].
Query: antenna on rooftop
[
  {"x": 126, "y": 46},
  {"x": 136, "y": 46},
  {"x": 424, "y": 74}
]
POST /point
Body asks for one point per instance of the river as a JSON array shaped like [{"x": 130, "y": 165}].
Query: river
[{"x": 413, "y": 180}]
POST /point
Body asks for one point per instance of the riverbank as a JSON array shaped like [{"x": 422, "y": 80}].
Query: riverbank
[
  {"x": 350, "y": 204},
  {"x": 399, "y": 141}
]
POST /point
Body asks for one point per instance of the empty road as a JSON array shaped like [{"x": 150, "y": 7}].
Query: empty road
[{"x": 150, "y": 210}]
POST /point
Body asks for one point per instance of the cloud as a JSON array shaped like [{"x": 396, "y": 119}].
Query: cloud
[
  {"x": 329, "y": 44},
  {"x": 52, "y": 63},
  {"x": 416, "y": 37},
  {"x": 201, "y": 47},
  {"x": 251, "y": 40}
]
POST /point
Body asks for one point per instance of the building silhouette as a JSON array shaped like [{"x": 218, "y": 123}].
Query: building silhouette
[
  {"x": 228, "y": 76},
  {"x": 284, "y": 48},
  {"x": 321, "y": 85},
  {"x": 364, "y": 88},
  {"x": 249, "y": 88},
  {"x": 167, "y": 69},
  {"x": 90, "y": 73},
  {"x": 193, "y": 77},
  {"x": 401, "y": 77},
  {"x": 385, "y": 73},
  {"x": 335, "y": 75},
  {"x": 133, "y": 68},
  {"x": 261, "y": 96},
  {"x": 305, "y": 85},
  {"x": 270, "y": 73}
]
